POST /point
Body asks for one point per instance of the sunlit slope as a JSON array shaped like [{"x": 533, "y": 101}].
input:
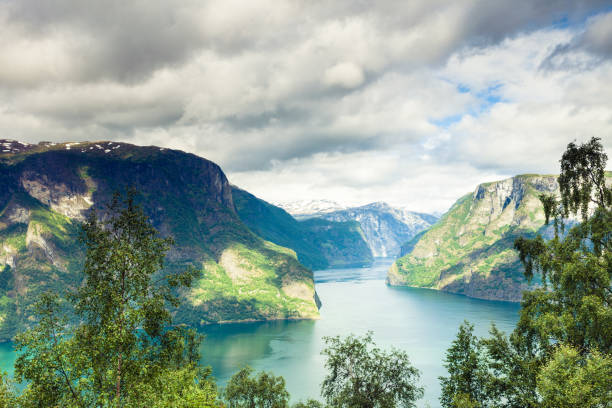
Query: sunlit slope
[
  {"x": 470, "y": 250},
  {"x": 45, "y": 191}
]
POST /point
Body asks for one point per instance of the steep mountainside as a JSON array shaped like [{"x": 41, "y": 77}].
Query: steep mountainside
[
  {"x": 319, "y": 244},
  {"x": 470, "y": 250},
  {"x": 385, "y": 228},
  {"x": 46, "y": 189}
]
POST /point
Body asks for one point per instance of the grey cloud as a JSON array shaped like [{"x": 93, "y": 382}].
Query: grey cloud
[
  {"x": 244, "y": 82},
  {"x": 595, "y": 40},
  {"x": 491, "y": 21},
  {"x": 124, "y": 41},
  {"x": 127, "y": 41}
]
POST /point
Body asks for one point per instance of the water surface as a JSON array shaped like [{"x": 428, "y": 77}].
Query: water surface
[{"x": 422, "y": 322}]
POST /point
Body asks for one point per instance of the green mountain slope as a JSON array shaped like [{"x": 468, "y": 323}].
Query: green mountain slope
[
  {"x": 470, "y": 250},
  {"x": 319, "y": 244},
  {"x": 46, "y": 189}
]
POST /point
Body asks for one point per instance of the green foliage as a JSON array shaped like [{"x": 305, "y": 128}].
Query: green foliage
[
  {"x": 467, "y": 371},
  {"x": 309, "y": 404},
  {"x": 124, "y": 350},
  {"x": 470, "y": 250},
  {"x": 362, "y": 375},
  {"x": 6, "y": 277},
  {"x": 8, "y": 398},
  {"x": 575, "y": 307},
  {"x": 261, "y": 391},
  {"x": 583, "y": 179},
  {"x": 255, "y": 289},
  {"x": 573, "y": 379},
  {"x": 559, "y": 354}
]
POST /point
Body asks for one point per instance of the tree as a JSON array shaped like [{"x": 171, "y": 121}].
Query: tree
[
  {"x": 575, "y": 305},
  {"x": 124, "y": 350},
  {"x": 261, "y": 391},
  {"x": 466, "y": 382},
  {"x": 571, "y": 379},
  {"x": 7, "y": 392},
  {"x": 362, "y": 375},
  {"x": 310, "y": 403},
  {"x": 559, "y": 353}
]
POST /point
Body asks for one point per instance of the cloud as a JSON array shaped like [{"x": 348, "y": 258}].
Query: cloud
[
  {"x": 585, "y": 50},
  {"x": 345, "y": 74},
  {"x": 278, "y": 89}
]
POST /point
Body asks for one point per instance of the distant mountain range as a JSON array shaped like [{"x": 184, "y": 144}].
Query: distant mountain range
[
  {"x": 385, "y": 228},
  {"x": 303, "y": 209},
  {"x": 319, "y": 243}
]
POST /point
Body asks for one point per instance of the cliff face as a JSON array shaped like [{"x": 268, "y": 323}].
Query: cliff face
[
  {"x": 470, "y": 250},
  {"x": 385, "y": 228},
  {"x": 46, "y": 189},
  {"x": 319, "y": 243}
]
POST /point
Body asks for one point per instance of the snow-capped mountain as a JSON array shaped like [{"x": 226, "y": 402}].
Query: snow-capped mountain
[
  {"x": 385, "y": 228},
  {"x": 303, "y": 209}
]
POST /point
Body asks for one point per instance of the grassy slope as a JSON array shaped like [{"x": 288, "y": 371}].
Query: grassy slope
[
  {"x": 319, "y": 244},
  {"x": 470, "y": 250},
  {"x": 185, "y": 196}
]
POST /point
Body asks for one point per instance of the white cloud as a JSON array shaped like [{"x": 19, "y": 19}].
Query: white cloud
[
  {"x": 412, "y": 103},
  {"x": 345, "y": 74}
]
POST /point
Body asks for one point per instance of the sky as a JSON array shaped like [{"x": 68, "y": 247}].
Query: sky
[{"x": 409, "y": 102}]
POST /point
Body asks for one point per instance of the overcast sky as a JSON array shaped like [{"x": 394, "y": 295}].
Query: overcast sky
[{"x": 409, "y": 102}]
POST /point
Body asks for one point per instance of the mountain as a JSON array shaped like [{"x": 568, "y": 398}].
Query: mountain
[
  {"x": 470, "y": 250},
  {"x": 304, "y": 209},
  {"x": 46, "y": 190},
  {"x": 319, "y": 244},
  {"x": 385, "y": 228}
]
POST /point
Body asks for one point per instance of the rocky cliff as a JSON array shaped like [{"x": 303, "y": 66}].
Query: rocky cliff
[
  {"x": 319, "y": 243},
  {"x": 46, "y": 189},
  {"x": 385, "y": 228},
  {"x": 470, "y": 250}
]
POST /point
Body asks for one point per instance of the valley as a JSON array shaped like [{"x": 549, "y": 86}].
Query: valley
[{"x": 255, "y": 258}]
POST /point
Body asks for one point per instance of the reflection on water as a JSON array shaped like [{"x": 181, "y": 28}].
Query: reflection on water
[
  {"x": 378, "y": 271},
  {"x": 422, "y": 322},
  {"x": 7, "y": 358}
]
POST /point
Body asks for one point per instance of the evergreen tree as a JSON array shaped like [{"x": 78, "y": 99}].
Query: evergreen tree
[{"x": 466, "y": 384}]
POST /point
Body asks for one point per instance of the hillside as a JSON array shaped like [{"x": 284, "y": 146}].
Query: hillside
[
  {"x": 318, "y": 244},
  {"x": 385, "y": 228},
  {"x": 470, "y": 250},
  {"x": 46, "y": 189}
]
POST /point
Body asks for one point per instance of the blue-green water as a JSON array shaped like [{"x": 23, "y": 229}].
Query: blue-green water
[{"x": 422, "y": 322}]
